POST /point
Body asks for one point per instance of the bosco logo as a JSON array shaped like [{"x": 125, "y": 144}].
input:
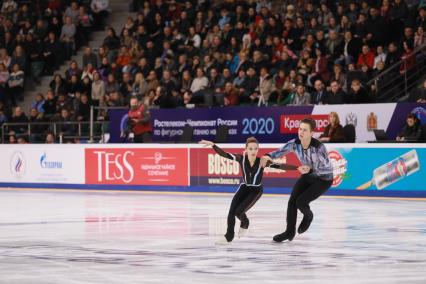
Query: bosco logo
[
  {"x": 218, "y": 165},
  {"x": 339, "y": 167}
]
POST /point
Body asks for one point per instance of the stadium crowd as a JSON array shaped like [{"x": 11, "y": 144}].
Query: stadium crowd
[{"x": 203, "y": 53}]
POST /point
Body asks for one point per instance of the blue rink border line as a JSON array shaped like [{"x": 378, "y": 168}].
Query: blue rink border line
[{"x": 211, "y": 189}]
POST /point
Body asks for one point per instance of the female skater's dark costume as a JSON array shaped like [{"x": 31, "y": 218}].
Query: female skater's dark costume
[{"x": 249, "y": 191}]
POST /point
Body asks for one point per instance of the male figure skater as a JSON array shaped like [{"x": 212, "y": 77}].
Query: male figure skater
[{"x": 316, "y": 178}]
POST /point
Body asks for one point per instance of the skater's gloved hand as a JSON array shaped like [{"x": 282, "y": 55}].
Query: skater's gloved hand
[
  {"x": 206, "y": 143},
  {"x": 304, "y": 169},
  {"x": 265, "y": 160}
]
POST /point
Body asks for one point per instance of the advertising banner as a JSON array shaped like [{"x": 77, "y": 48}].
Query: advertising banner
[
  {"x": 208, "y": 168},
  {"x": 136, "y": 166},
  {"x": 362, "y": 169},
  {"x": 353, "y": 169},
  {"x": 242, "y": 122},
  {"x": 42, "y": 163},
  {"x": 379, "y": 169},
  {"x": 365, "y": 118},
  {"x": 278, "y": 124}
]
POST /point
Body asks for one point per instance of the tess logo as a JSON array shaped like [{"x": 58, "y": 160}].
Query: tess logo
[{"x": 114, "y": 166}]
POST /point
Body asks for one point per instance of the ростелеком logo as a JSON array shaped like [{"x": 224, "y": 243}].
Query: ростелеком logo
[
  {"x": 17, "y": 164},
  {"x": 46, "y": 164}
]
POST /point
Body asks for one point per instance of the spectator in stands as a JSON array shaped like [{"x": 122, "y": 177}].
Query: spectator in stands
[
  {"x": 84, "y": 25},
  {"x": 139, "y": 121},
  {"x": 318, "y": 95},
  {"x": 111, "y": 41},
  {"x": 37, "y": 130},
  {"x": 411, "y": 130},
  {"x": 49, "y": 106},
  {"x": 19, "y": 57},
  {"x": 300, "y": 96},
  {"x": 200, "y": 82},
  {"x": 22, "y": 140},
  {"x": 16, "y": 84},
  {"x": 420, "y": 37},
  {"x": 38, "y": 103},
  {"x": 68, "y": 37},
  {"x": 393, "y": 55},
  {"x": 50, "y": 138},
  {"x": 72, "y": 70},
  {"x": 12, "y": 139},
  {"x": 9, "y": 6},
  {"x": 357, "y": 94},
  {"x": 89, "y": 71},
  {"x": 140, "y": 86},
  {"x": 18, "y": 117},
  {"x": 90, "y": 57},
  {"x": 335, "y": 96},
  {"x": 266, "y": 87},
  {"x": 126, "y": 85},
  {"x": 111, "y": 84},
  {"x": 100, "y": 11},
  {"x": 419, "y": 94},
  {"x": 333, "y": 132},
  {"x": 98, "y": 89},
  {"x": 83, "y": 113},
  {"x": 366, "y": 57},
  {"x": 319, "y": 69},
  {"x": 58, "y": 85},
  {"x": 408, "y": 58},
  {"x": 231, "y": 95},
  {"x": 51, "y": 53},
  {"x": 351, "y": 49},
  {"x": 4, "y": 78},
  {"x": 380, "y": 56},
  {"x": 115, "y": 99},
  {"x": 167, "y": 43},
  {"x": 72, "y": 12},
  {"x": 65, "y": 127},
  {"x": 34, "y": 50}
]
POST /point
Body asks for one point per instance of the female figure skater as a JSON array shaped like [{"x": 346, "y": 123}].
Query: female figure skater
[
  {"x": 316, "y": 179},
  {"x": 251, "y": 189}
]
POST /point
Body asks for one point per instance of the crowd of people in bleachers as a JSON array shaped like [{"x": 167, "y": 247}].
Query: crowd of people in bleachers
[{"x": 208, "y": 53}]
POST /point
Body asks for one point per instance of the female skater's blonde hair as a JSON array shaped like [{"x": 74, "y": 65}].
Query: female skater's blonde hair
[{"x": 251, "y": 140}]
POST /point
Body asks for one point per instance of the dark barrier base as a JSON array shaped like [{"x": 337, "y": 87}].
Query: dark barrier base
[{"x": 212, "y": 189}]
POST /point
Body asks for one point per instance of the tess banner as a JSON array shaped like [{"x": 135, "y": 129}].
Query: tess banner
[{"x": 137, "y": 166}]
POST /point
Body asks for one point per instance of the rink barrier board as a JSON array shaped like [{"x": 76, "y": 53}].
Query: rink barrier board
[{"x": 48, "y": 165}]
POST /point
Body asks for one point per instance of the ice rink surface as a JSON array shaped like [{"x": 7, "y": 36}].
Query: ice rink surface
[{"x": 66, "y": 236}]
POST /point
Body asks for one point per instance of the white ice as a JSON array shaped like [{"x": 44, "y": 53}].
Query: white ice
[{"x": 58, "y": 236}]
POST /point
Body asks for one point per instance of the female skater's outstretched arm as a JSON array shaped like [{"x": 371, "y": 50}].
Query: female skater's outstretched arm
[
  {"x": 235, "y": 157},
  {"x": 238, "y": 157}
]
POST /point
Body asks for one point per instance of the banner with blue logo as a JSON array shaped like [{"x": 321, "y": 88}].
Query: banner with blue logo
[{"x": 271, "y": 124}]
